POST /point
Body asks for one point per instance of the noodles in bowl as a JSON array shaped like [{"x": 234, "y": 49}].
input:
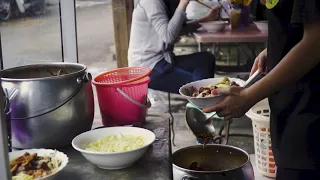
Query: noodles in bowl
[
  {"x": 113, "y": 143},
  {"x": 114, "y": 147}
]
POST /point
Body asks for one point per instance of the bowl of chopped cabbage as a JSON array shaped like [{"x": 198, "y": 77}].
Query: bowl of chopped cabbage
[
  {"x": 203, "y": 93},
  {"x": 114, "y": 147}
]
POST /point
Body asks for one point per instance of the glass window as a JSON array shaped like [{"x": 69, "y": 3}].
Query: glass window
[
  {"x": 31, "y": 32},
  {"x": 95, "y": 35}
]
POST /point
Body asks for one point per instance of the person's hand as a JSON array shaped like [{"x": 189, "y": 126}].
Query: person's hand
[
  {"x": 263, "y": 2},
  {"x": 213, "y": 14},
  {"x": 178, "y": 39},
  {"x": 183, "y": 4},
  {"x": 259, "y": 62},
  {"x": 236, "y": 103}
]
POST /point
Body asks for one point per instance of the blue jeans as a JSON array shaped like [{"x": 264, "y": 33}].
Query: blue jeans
[{"x": 187, "y": 68}]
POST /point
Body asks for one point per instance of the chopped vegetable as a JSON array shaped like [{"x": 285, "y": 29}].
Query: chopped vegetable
[
  {"x": 114, "y": 143},
  {"x": 31, "y": 166},
  {"x": 22, "y": 176}
]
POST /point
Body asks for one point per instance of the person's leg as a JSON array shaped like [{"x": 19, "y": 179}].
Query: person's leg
[
  {"x": 296, "y": 174},
  {"x": 201, "y": 64},
  {"x": 165, "y": 77}
]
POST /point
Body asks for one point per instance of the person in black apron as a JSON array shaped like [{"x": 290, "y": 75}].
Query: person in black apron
[{"x": 292, "y": 85}]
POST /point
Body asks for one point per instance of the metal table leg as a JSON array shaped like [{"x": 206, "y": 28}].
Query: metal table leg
[
  {"x": 199, "y": 47},
  {"x": 171, "y": 120}
]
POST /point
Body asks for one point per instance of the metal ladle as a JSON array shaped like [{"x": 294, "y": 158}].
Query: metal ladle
[{"x": 200, "y": 123}]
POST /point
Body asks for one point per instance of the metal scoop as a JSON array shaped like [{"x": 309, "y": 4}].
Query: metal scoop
[{"x": 201, "y": 123}]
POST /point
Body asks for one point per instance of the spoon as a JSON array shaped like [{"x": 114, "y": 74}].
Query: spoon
[{"x": 199, "y": 122}]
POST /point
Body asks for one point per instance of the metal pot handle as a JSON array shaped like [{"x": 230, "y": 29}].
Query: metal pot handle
[
  {"x": 81, "y": 80},
  {"x": 145, "y": 106},
  {"x": 188, "y": 177}
]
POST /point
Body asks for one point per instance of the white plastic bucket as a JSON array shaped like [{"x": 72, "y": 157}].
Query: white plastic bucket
[{"x": 260, "y": 116}]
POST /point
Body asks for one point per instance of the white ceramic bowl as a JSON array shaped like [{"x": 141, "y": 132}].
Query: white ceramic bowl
[
  {"x": 214, "y": 26},
  {"x": 44, "y": 152},
  {"x": 113, "y": 160},
  {"x": 261, "y": 25},
  {"x": 203, "y": 102}
]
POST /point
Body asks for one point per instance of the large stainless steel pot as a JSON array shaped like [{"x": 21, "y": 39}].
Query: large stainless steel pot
[
  {"x": 231, "y": 163},
  {"x": 54, "y": 104}
]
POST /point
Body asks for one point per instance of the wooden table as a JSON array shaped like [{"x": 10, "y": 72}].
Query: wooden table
[
  {"x": 249, "y": 34},
  {"x": 241, "y": 35}
]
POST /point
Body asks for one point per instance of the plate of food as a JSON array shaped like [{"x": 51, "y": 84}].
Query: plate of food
[
  {"x": 36, "y": 164},
  {"x": 204, "y": 93},
  {"x": 114, "y": 147}
]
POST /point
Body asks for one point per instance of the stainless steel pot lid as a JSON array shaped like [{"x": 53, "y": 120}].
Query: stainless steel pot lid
[{"x": 42, "y": 71}]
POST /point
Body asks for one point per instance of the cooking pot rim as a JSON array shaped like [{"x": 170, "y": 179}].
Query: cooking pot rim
[
  {"x": 84, "y": 68},
  {"x": 211, "y": 172}
]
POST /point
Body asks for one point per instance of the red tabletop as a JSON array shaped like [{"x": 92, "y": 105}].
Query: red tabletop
[{"x": 241, "y": 35}]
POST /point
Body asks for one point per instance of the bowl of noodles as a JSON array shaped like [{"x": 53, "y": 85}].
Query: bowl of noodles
[{"x": 114, "y": 147}]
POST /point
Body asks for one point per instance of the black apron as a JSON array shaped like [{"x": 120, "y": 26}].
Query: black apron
[{"x": 295, "y": 109}]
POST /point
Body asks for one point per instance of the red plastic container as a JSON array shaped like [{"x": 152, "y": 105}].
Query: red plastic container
[{"x": 123, "y": 103}]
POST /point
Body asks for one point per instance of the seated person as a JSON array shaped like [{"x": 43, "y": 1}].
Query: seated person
[{"x": 156, "y": 25}]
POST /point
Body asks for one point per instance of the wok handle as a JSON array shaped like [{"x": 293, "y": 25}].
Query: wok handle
[{"x": 188, "y": 177}]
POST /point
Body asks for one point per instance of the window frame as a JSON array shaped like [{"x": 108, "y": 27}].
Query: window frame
[{"x": 68, "y": 31}]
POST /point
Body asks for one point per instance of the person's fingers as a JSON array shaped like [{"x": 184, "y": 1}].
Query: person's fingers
[
  {"x": 224, "y": 91},
  {"x": 213, "y": 108},
  {"x": 265, "y": 71},
  {"x": 255, "y": 66},
  {"x": 223, "y": 113},
  {"x": 216, "y": 8},
  {"x": 233, "y": 90},
  {"x": 262, "y": 64},
  {"x": 229, "y": 117}
]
